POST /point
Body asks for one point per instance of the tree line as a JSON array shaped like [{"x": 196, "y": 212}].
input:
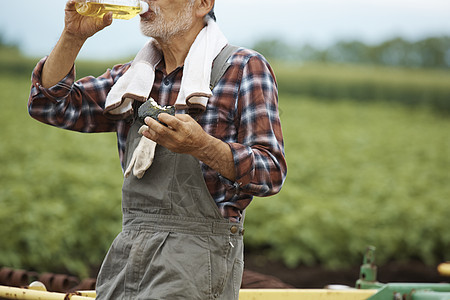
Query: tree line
[{"x": 431, "y": 52}]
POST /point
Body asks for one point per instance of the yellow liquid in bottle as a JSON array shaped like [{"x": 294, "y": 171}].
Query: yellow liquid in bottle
[{"x": 92, "y": 9}]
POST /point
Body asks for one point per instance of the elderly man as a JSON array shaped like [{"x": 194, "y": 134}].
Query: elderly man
[{"x": 188, "y": 176}]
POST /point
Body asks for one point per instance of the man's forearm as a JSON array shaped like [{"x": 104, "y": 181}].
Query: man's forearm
[
  {"x": 218, "y": 156},
  {"x": 61, "y": 59},
  {"x": 76, "y": 31}
]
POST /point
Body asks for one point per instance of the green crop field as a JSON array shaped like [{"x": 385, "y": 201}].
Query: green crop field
[
  {"x": 412, "y": 87},
  {"x": 360, "y": 173}
]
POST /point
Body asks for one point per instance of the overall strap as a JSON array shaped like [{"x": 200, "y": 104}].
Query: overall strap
[{"x": 220, "y": 64}]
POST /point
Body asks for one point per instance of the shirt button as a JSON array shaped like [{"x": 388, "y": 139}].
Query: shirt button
[
  {"x": 234, "y": 229},
  {"x": 166, "y": 82}
]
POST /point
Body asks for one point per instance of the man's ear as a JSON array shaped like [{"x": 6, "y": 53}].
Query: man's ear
[{"x": 203, "y": 7}]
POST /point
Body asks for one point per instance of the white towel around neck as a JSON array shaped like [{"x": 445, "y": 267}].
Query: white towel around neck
[{"x": 137, "y": 82}]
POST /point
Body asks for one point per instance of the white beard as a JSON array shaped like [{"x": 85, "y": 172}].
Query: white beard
[{"x": 163, "y": 29}]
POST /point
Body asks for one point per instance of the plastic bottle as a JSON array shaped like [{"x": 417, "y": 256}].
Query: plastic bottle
[{"x": 121, "y": 9}]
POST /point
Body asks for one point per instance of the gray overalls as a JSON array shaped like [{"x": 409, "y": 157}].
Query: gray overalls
[{"x": 174, "y": 243}]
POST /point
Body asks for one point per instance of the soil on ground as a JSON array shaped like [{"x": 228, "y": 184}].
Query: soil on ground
[{"x": 319, "y": 277}]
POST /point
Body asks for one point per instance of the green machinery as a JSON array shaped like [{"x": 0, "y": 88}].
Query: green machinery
[{"x": 397, "y": 291}]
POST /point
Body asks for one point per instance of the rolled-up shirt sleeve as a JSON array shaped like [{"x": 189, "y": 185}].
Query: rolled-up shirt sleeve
[
  {"x": 73, "y": 105},
  {"x": 58, "y": 91}
]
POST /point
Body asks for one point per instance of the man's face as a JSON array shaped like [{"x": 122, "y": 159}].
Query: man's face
[{"x": 167, "y": 18}]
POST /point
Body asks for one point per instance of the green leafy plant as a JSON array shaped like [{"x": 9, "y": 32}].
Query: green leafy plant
[{"x": 358, "y": 174}]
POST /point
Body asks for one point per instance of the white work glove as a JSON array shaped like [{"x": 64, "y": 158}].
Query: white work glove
[{"x": 142, "y": 157}]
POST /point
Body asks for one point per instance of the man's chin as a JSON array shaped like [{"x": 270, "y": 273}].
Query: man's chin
[{"x": 145, "y": 28}]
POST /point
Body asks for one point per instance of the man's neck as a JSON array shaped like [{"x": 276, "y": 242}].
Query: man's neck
[{"x": 177, "y": 48}]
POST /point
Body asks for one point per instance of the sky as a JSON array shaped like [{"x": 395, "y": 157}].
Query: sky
[{"x": 35, "y": 25}]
